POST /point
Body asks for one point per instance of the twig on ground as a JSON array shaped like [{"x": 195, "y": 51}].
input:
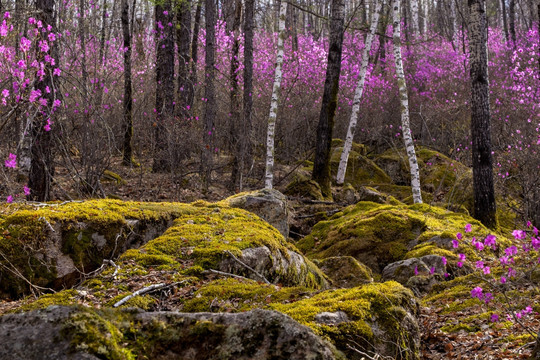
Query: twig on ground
[
  {"x": 148, "y": 289},
  {"x": 225, "y": 274}
]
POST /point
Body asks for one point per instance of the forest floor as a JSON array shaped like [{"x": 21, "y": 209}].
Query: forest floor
[{"x": 472, "y": 336}]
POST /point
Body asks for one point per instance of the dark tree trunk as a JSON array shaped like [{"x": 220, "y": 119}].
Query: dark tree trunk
[
  {"x": 484, "y": 193},
  {"x": 235, "y": 133},
  {"x": 183, "y": 38},
  {"x": 245, "y": 149},
  {"x": 164, "y": 85},
  {"x": 512, "y": 20},
  {"x": 209, "y": 94},
  {"x": 321, "y": 166},
  {"x": 128, "y": 100},
  {"x": 195, "y": 45},
  {"x": 505, "y": 19},
  {"x": 103, "y": 31},
  {"x": 41, "y": 158}
]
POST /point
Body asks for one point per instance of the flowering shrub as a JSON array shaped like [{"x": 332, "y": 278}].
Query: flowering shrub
[{"x": 502, "y": 270}]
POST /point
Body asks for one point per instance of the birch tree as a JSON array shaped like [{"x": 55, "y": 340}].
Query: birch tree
[
  {"x": 342, "y": 169},
  {"x": 482, "y": 162},
  {"x": 414, "y": 15},
  {"x": 405, "y": 125},
  {"x": 276, "y": 92}
]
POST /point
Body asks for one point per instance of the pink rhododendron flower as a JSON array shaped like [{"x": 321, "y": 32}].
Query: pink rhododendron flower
[
  {"x": 519, "y": 234},
  {"x": 455, "y": 244},
  {"x": 443, "y": 260},
  {"x": 477, "y": 292},
  {"x": 26, "y": 190},
  {"x": 11, "y": 162},
  {"x": 468, "y": 228},
  {"x": 459, "y": 236},
  {"x": 9, "y": 199}
]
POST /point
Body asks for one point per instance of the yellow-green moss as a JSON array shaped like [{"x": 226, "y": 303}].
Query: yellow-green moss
[
  {"x": 232, "y": 295},
  {"x": 144, "y": 302},
  {"x": 302, "y": 186},
  {"x": 64, "y": 297},
  {"x": 378, "y": 234},
  {"x": 97, "y": 335},
  {"x": 461, "y": 326},
  {"x": 109, "y": 175},
  {"x": 383, "y": 304}
]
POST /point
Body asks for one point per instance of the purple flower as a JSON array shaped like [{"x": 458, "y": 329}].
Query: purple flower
[
  {"x": 26, "y": 190},
  {"x": 11, "y": 162},
  {"x": 487, "y": 270},
  {"x": 432, "y": 270},
  {"x": 415, "y": 270},
  {"x": 477, "y": 292},
  {"x": 479, "y": 264},
  {"x": 511, "y": 251},
  {"x": 488, "y": 297},
  {"x": 443, "y": 260},
  {"x": 503, "y": 280},
  {"x": 479, "y": 245},
  {"x": 459, "y": 236},
  {"x": 468, "y": 228},
  {"x": 459, "y": 264},
  {"x": 494, "y": 318},
  {"x": 462, "y": 257},
  {"x": 9, "y": 199},
  {"x": 491, "y": 240},
  {"x": 455, "y": 244},
  {"x": 519, "y": 234}
]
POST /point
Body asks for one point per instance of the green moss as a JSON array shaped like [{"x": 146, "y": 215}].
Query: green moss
[
  {"x": 204, "y": 237},
  {"x": 97, "y": 335},
  {"x": 233, "y": 295},
  {"x": 109, "y": 175},
  {"x": 65, "y": 297},
  {"x": 302, "y": 186},
  {"x": 459, "y": 327},
  {"x": 381, "y": 305},
  {"x": 144, "y": 302}
]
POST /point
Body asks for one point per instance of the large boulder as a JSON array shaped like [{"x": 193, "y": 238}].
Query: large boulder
[
  {"x": 381, "y": 234},
  {"x": 345, "y": 271},
  {"x": 216, "y": 238},
  {"x": 446, "y": 180},
  {"x": 50, "y": 245},
  {"x": 269, "y": 204},
  {"x": 76, "y": 333}
]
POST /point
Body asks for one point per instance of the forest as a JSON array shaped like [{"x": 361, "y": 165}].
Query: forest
[{"x": 388, "y": 148}]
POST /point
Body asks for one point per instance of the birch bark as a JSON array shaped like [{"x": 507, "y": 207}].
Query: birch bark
[
  {"x": 405, "y": 125},
  {"x": 276, "y": 92},
  {"x": 342, "y": 169}
]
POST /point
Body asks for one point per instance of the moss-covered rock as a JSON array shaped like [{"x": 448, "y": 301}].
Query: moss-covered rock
[
  {"x": 345, "y": 271},
  {"x": 448, "y": 181},
  {"x": 269, "y": 204},
  {"x": 381, "y": 319},
  {"x": 230, "y": 240},
  {"x": 379, "y": 234},
  {"x": 360, "y": 169},
  {"x": 302, "y": 186},
  {"x": 80, "y": 333},
  {"x": 50, "y": 245}
]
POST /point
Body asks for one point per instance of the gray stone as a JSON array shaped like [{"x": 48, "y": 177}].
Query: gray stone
[
  {"x": 59, "y": 333},
  {"x": 269, "y": 204},
  {"x": 401, "y": 271},
  {"x": 331, "y": 318}
]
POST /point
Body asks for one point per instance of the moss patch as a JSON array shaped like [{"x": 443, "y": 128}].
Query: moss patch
[{"x": 372, "y": 309}]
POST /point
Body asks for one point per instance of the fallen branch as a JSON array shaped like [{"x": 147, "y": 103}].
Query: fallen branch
[
  {"x": 248, "y": 267},
  {"x": 328, "y": 213},
  {"x": 145, "y": 290},
  {"x": 225, "y": 274}
]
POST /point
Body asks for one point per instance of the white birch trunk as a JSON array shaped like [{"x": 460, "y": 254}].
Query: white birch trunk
[
  {"x": 453, "y": 20},
  {"x": 405, "y": 125},
  {"x": 426, "y": 16},
  {"x": 414, "y": 13},
  {"x": 342, "y": 169},
  {"x": 276, "y": 92}
]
